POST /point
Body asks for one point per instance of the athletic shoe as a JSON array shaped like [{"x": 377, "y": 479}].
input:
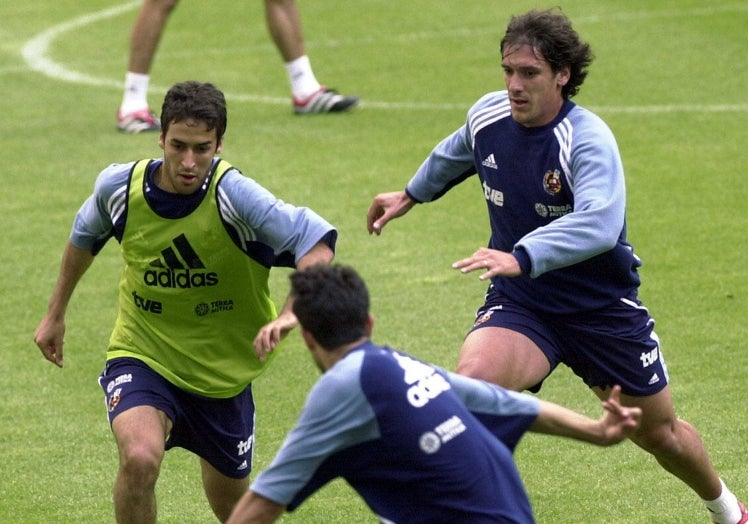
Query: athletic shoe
[
  {"x": 743, "y": 513},
  {"x": 138, "y": 121},
  {"x": 324, "y": 101}
]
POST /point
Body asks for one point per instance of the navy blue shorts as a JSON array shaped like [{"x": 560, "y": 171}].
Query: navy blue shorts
[
  {"x": 221, "y": 431},
  {"x": 612, "y": 345}
]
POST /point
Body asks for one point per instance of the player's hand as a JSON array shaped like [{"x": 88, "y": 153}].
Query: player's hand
[
  {"x": 271, "y": 334},
  {"x": 385, "y": 207},
  {"x": 49, "y": 338},
  {"x": 618, "y": 422},
  {"x": 494, "y": 263}
]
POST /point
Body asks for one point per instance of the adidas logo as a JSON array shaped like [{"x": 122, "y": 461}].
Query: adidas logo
[
  {"x": 490, "y": 161},
  {"x": 654, "y": 380},
  {"x": 243, "y": 465},
  {"x": 177, "y": 268}
]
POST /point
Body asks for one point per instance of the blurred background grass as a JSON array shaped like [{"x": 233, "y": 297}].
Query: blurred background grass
[{"x": 670, "y": 79}]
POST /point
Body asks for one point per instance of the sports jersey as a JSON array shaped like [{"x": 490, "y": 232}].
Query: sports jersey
[
  {"x": 194, "y": 288},
  {"x": 417, "y": 443},
  {"x": 555, "y": 196}
]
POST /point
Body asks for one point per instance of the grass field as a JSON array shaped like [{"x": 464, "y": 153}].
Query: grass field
[{"x": 670, "y": 78}]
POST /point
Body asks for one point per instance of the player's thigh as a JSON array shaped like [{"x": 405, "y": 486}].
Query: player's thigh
[
  {"x": 141, "y": 431},
  {"x": 503, "y": 356}
]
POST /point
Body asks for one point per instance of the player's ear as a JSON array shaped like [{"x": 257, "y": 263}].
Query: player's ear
[
  {"x": 219, "y": 146},
  {"x": 369, "y": 325},
  {"x": 161, "y": 137},
  {"x": 309, "y": 339}
]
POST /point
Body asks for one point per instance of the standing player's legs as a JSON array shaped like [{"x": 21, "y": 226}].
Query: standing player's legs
[
  {"x": 308, "y": 96},
  {"x": 284, "y": 24},
  {"x": 134, "y": 114},
  {"x": 146, "y": 33},
  {"x": 140, "y": 433}
]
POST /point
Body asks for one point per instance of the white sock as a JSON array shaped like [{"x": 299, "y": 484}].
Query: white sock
[
  {"x": 136, "y": 92},
  {"x": 724, "y": 509},
  {"x": 302, "y": 79}
]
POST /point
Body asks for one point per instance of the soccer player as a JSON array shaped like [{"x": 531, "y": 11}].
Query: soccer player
[
  {"x": 563, "y": 278},
  {"x": 284, "y": 24},
  {"x": 417, "y": 443},
  {"x": 198, "y": 240}
]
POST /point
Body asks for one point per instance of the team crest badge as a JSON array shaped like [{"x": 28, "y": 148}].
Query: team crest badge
[
  {"x": 114, "y": 399},
  {"x": 552, "y": 182},
  {"x": 485, "y": 316}
]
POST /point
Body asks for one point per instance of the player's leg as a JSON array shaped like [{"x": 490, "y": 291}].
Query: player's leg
[
  {"x": 140, "y": 433},
  {"x": 678, "y": 448},
  {"x": 618, "y": 345},
  {"x": 504, "y": 357},
  {"x": 146, "y": 33},
  {"x": 308, "y": 96},
  {"x": 674, "y": 442},
  {"x": 508, "y": 345},
  {"x": 134, "y": 115},
  {"x": 222, "y": 492},
  {"x": 221, "y": 433},
  {"x": 284, "y": 24}
]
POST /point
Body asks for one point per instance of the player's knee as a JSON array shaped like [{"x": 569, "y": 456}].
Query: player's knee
[
  {"x": 660, "y": 440},
  {"x": 140, "y": 465}
]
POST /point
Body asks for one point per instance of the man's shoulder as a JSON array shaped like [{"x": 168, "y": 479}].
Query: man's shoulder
[
  {"x": 489, "y": 108},
  {"x": 495, "y": 100},
  {"x": 588, "y": 125},
  {"x": 113, "y": 177}
]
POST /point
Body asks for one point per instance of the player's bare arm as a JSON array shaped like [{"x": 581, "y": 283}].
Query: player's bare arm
[
  {"x": 50, "y": 333},
  {"x": 385, "y": 207},
  {"x": 617, "y": 423},
  {"x": 271, "y": 334},
  {"x": 492, "y": 262},
  {"x": 255, "y": 509}
]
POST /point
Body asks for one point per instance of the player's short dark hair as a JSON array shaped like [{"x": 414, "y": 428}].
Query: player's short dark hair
[
  {"x": 195, "y": 100},
  {"x": 332, "y": 303},
  {"x": 551, "y": 34}
]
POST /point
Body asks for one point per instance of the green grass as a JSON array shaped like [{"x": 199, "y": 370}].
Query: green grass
[{"x": 669, "y": 78}]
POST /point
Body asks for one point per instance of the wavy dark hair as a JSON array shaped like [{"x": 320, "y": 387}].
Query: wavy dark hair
[
  {"x": 195, "y": 100},
  {"x": 332, "y": 303},
  {"x": 550, "y": 33}
]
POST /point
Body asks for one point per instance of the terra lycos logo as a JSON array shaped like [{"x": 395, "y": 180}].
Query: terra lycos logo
[
  {"x": 431, "y": 441},
  {"x": 216, "y": 306},
  {"x": 179, "y": 268}
]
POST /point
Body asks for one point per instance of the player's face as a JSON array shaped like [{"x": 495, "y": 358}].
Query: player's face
[
  {"x": 534, "y": 89},
  {"x": 189, "y": 147}
]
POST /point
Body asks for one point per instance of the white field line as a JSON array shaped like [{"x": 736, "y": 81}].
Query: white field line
[{"x": 35, "y": 56}]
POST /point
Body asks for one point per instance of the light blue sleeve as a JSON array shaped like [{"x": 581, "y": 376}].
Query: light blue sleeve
[
  {"x": 450, "y": 162},
  {"x": 258, "y": 215},
  {"x": 595, "y": 172},
  {"x": 336, "y": 415},
  {"x": 482, "y": 397},
  {"x": 93, "y": 224}
]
